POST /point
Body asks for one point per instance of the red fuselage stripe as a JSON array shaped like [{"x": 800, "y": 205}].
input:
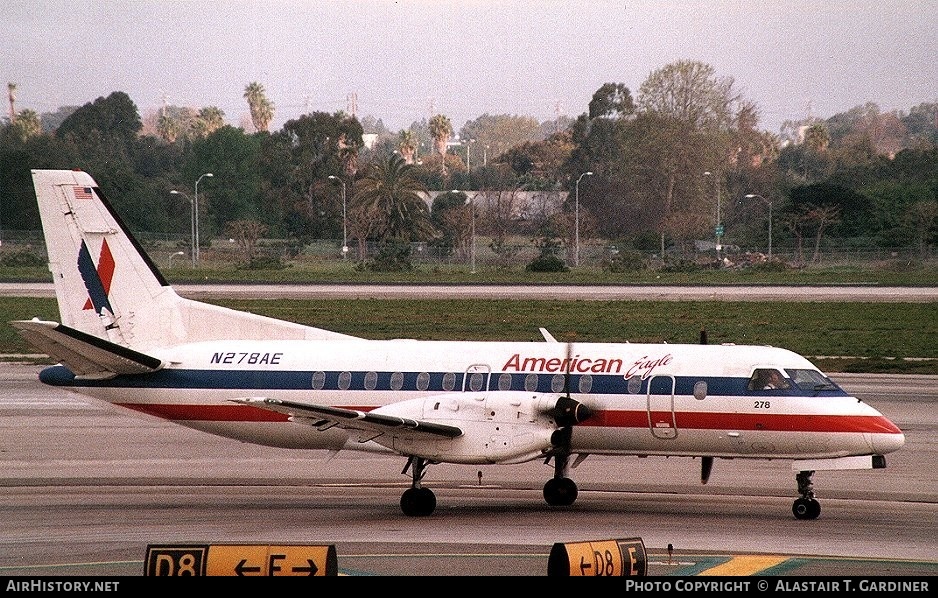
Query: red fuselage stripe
[{"x": 870, "y": 424}]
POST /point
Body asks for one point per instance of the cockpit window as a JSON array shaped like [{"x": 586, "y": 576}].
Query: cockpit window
[
  {"x": 811, "y": 380},
  {"x": 768, "y": 379}
]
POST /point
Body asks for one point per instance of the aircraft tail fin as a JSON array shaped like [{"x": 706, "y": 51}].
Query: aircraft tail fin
[{"x": 108, "y": 287}]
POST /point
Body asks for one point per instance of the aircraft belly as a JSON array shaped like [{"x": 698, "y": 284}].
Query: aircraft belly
[
  {"x": 274, "y": 434},
  {"x": 718, "y": 443}
]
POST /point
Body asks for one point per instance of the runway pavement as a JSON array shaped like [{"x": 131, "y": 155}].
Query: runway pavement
[{"x": 86, "y": 487}]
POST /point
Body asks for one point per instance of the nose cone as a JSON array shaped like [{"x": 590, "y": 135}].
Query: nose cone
[{"x": 887, "y": 443}]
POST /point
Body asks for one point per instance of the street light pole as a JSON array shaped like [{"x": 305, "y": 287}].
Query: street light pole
[
  {"x": 191, "y": 224},
  {"x": 751, "y": 196},
  {"x": 195, "y": 208},
  {"x": 718, "y": 229},
  {"x": 471, "y": 202},
  {"x": 468, "y": 142},
  {"x": 344, "y": 227},
  {"x": 576, "y": 219}
]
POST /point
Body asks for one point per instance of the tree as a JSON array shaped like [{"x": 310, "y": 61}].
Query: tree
[
  {"x": 233, "y": 157},
  {"x": 207, "y": 121},
  {"x": 407, "y": 144},
  {"x": 168, "y": 128},
  {"x": 921, "y": 217},
  {"x": 297, "y": 161},
  {"x": 690, "y": 92},
  {"x": 440, "y": 130},
  {"x": 11, "y": 96},
  {"x": 115, "y": 118},
  {"x": 452, "y": 216},
  {"x": 495, "y": 134},
  {"x": 817, "y": 138},
  {"x": 246, "y": 233},
  {"x": 389, "y": 187},
  {"x": 821, "y": 217},
  {"x": 613, "y": 101},
  {"x": 26, "y": 125},
  {"x": 262, "y": 109}
]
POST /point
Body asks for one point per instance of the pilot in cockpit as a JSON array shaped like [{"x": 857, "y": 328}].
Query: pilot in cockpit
[{"x": 767, "y": 379}]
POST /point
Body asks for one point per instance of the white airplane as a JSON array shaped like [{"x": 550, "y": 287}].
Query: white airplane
[{"x": 127, "y": 338}]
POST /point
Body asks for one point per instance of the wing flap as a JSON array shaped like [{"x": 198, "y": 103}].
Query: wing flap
[
  {"x": 87, "y": 356},
  {"x": 322, "y": 416}
]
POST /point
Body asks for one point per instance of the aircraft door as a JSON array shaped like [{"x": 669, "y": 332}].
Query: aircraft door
[
  {"x": 476, "y": 378},
  {"x": 661, "y": 419}
]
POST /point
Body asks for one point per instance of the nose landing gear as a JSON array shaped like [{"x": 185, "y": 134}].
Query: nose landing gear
[{"x": 806, "y": 507}]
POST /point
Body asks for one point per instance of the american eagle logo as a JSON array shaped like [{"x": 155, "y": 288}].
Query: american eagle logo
[{"x": 97, "y": 279}]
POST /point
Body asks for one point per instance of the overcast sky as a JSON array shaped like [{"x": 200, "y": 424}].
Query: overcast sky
[{"x": 405, "y": 60}]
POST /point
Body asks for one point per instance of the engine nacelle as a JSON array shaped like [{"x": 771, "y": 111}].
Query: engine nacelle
[{"x": 498, "y": 427}]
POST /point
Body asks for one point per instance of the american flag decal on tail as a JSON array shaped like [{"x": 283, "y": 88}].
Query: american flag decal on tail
[{"x": 82, "y": 192}]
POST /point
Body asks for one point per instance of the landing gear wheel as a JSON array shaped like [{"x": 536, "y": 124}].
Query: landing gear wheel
[
  {"x": 806, "y": 508},
  {"x": 560, "y": 492},
  {"x": 418, "y": 502}
]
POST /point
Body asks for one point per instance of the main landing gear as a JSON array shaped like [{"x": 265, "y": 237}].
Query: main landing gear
[
  {"x": 806, "y": 507},
  {"x": 561, "y": 491},
  {"x": 417, "y": 501}
]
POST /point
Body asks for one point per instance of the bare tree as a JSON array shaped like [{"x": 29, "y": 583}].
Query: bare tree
[
  {"x": 246, "y": 234},
  {"x": 821, "y": 218}
]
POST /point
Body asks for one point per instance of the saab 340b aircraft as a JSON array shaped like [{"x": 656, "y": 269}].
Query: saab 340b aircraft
[{"x": 127, "y": 338}]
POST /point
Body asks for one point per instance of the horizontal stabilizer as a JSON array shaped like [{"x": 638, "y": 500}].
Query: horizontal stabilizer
[
  {"x": 351, "y": 419},
  {"x": 85, "y": 355}
]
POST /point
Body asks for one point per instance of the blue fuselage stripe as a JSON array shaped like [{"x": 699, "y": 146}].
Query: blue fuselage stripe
[{"x": 266, "y": 380}]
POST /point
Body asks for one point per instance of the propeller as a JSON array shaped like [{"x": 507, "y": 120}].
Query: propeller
[
  {"x": 706, "y": 463},
  {"x": 567, "y": 412}
]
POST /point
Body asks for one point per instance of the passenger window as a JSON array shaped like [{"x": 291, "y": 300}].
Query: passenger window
[
  {"x": 423, "y": 381},
  {"x": 397, "y": 381},
  {"x": 558, "y": 382},
  {"x": 530, "y": 382},
  {"x": 449, "y": 381},
  {"x": 767, "y": 379},
  {"x": 319, "y": 380},
  {"x": 586, "y": 383},
  {"x": 504, "y": 381},
  {"x": 345, "y": 380},
  {"x": 475, "y": 381},
  {"x": 635, "y": 384},
  {"x": 371, "y": 380}
]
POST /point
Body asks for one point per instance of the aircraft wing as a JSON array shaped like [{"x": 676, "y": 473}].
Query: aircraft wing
[
  {"x": 85, "y": 355},
  {"x": 324, "y": 417}
]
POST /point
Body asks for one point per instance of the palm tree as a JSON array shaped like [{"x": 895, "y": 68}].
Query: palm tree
[
  {"x": 27, "y": 124},
  {"x": 389, "y": 190},
  {"x": 209, "y": 120},
  {"x": 407, "y": 143},
  {"x": 11, "y": 95},
  {"x": 440, "y": 129},
  {"x": 262, "y": 109}
]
